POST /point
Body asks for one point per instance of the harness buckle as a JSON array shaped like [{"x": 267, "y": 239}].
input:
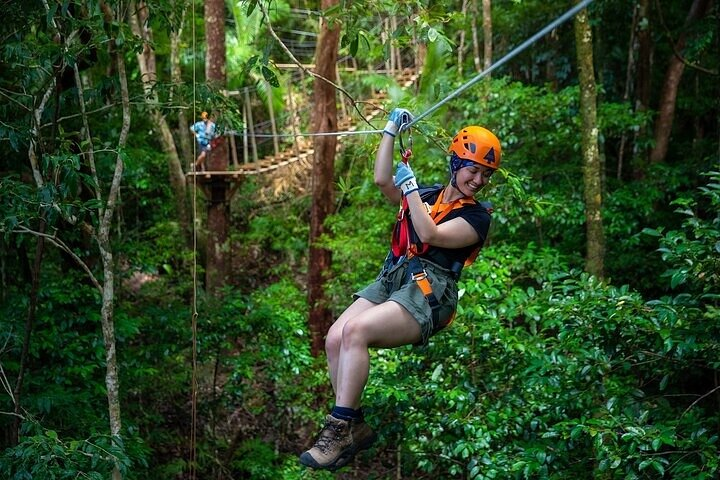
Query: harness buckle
[{"x": 419, "y": 276}]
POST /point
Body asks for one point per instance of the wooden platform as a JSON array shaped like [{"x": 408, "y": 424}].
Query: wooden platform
[{"x": 304, "y": 152}]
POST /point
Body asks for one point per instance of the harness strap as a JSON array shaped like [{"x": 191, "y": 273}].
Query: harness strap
[
  {"x": 405, "y": 240},
  {"x": 403, "y": 245},
  {"x": 420, "y": 277}
]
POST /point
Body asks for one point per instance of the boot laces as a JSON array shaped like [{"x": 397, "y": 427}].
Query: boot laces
[{"x": 330, "y": 434}]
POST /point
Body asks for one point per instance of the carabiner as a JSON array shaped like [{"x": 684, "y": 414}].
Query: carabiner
[{"x": 405, "y": 153}]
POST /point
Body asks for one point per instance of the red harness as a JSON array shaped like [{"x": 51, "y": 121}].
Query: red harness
[{"x": 404, "y": 239}]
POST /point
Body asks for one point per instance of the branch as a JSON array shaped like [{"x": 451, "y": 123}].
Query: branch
[
  {"x": 107, "y": 106},
  {"x": 12, "y": 95},
  {"x": 35, "y": 132},
  {"x": 62, "y": 246},
  {"x": 86, "y": 131},
  {"x": 13, "y": 414},
  {"x": 122, "y": 140},
  {"x": 309, "y": 72},
  {"x": 677, "y": 52},
  {"x": 696, "y": 401},
  {"x": 6, "y": 385}
]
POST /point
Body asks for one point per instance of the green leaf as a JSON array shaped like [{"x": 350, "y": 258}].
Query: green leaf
[
  {"x": 656, "y": 444},
  {"x": 270, "y": 76},
  {"x": 652, "y": 232},
  {"x": 354, "y": 45},
  {"x": 678, "y": 278}
]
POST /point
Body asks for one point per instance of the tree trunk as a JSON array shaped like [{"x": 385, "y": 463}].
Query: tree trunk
[
  {"x": 139, "y": 23},
  {"x": 183, "y": 133},
  {"x": 461, "y": 42},
  {"x": 592, "y": 175},
  {"x": 642, "y": 84},
  {"x": 487, "y": 34},
  {"x": 629, "y": 75},
  {"x": 668, "y": 98},
  {"x": 218, "y": 208},
  {"x": 102, "y": 237},
  {"x": 474, "y": 32},
  {"x": 29, "y": 321},
  {"x": 324, "y": 120}
]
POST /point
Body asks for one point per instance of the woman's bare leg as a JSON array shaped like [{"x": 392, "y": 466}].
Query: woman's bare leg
[
  {"x": 334, "y": 336},
  {"x": 385, "y": 325}
]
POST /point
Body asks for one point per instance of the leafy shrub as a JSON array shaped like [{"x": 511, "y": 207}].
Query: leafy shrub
[
  {"x": 550, "y": 375},
  {"x": 42, "y": 453}
]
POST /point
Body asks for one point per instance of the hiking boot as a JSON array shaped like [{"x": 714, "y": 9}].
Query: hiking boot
[
  {"x": 338, "y": 443},
  {"x": 363, "y": 438}
]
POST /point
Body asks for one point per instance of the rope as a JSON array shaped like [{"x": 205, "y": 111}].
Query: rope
[
  {"x": 193, "y": 322},
  {"x": 318, "y": 134}
]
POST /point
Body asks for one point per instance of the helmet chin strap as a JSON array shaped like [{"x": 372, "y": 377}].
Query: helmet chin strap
[{"x": 456, "y": 163}]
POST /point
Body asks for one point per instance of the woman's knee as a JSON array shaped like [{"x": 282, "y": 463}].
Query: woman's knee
[
  {"x": 333, "y": 340},
  {"x": 354, "y": 333}
]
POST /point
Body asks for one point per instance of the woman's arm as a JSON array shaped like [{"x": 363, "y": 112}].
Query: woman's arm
[
  {"x": 398, "y": 120},
  {"x": 384, "y": 169},
  {"x": 455, "y": 233}
]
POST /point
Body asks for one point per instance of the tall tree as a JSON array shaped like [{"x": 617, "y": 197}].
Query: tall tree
[
  {"x": 179, "y": 10},
  {"x": 324, "y": 120},
  {"x": 642, "y": 81},
  {"x": 487, "y": 34},
  {"x": 475, "y": 41},
  {"x": 52, "y": 172},
  {"x": 592, "y": 174},
  {"x": 217, "y": 191},
  {"x": 461, "y": 43},
  {"x": 140, "y": 24},
  {"x": 673, "y": 75},
  {"x": 34, "y": 281}
]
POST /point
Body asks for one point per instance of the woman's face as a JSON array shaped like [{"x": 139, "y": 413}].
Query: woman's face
[{"x": 472, "y": 179}]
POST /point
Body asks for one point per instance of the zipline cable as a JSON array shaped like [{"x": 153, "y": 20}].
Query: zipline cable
[
  {"x": 515, "y": 51},
  {"x": 510, "y": 55}
]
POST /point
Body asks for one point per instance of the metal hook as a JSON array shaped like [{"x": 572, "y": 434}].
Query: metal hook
[{"x": 405, "y": 152}]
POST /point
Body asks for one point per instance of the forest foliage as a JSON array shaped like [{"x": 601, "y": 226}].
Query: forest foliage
[{"x": 546, "y": 372}]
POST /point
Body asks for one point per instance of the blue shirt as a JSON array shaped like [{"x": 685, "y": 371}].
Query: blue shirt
[{"x": 204, "y": 131}]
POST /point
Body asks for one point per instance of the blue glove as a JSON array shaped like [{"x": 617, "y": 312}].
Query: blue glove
[
  {"x": 399, "y": 119},
  {"x": 405, "y": 179}
]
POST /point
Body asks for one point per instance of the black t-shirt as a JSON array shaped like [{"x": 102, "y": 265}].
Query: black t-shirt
[{"x": 476, "y": 215}]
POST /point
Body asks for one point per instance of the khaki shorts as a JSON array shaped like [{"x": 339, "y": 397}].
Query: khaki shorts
[{"x": 397, "y": 286}]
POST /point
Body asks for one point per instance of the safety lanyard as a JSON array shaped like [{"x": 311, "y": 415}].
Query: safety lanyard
[{"x": 439, "y": 210}]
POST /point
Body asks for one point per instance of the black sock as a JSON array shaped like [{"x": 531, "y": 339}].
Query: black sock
[{"x": 346, "y": 413}]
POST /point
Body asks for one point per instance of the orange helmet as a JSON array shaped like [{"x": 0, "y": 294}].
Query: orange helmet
[
  {"x": 204, "y": 115},
  {"x": 478, "y": 145}
]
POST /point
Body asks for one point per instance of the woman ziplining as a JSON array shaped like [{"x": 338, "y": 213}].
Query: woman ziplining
[
  {"x": 416, "y": 293},
  {"x": 407, "y": 304},
  {"x": 438, "y": 231}
]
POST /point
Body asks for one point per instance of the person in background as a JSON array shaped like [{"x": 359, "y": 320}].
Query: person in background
[
  {"x": 439, "y": 230},
  {"x": 204, "y": 131}
]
